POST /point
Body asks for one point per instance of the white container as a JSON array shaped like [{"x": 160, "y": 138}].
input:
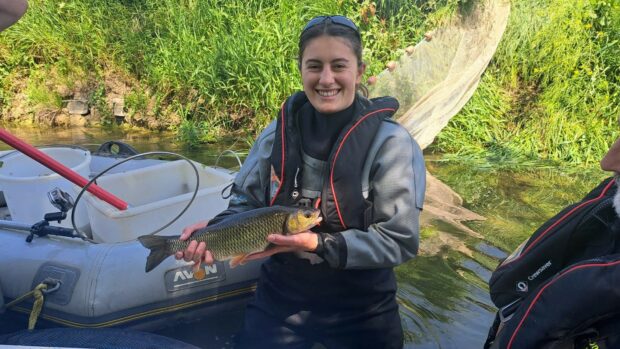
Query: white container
[
  {"x": 25, "y": 184},
  {"x": 155, "y": 195}
]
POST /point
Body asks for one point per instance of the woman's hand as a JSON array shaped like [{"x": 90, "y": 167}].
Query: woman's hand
[
  {"x": 195, "y": 251},
  {"x": 304, "y": 241}
]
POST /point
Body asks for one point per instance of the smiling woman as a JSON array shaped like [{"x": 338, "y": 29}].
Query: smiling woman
[
  {"x": 333, "y": 68},
  {"x": 333, "y": 149},
  {"x": 330, "y": 74}
]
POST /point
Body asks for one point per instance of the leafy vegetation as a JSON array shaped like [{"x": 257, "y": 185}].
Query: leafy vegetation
[
  {"x": 206, "y": 68},
  {"x": 552, "y": 91},
  {"x": 201, "y": 67}
]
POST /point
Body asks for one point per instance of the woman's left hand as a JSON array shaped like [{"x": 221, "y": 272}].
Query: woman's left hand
[{"x": 304, "y": 241}]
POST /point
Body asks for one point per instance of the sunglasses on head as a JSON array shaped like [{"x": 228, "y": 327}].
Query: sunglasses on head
[{"x": 340, "y": 20}]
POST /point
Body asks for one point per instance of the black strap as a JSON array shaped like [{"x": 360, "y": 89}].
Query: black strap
[{"x": 492, "y": 332}]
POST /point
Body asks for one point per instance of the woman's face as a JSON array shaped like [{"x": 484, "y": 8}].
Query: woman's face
[{"x": 330, "y": 73}]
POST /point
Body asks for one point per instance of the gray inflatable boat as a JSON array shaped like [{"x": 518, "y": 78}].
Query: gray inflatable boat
[{"x": 96, "y": 277}]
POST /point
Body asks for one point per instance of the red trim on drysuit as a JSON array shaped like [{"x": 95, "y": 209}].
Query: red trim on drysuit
[
  {"x": 317, "y": 203},
  {"x": 331, "y": 176},
  {"x": 283, "y": 128},
  {"x": 549, "y": 284}
]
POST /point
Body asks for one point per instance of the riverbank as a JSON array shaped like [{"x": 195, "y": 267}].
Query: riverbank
[
  {"x": 552, "y": 91},
  {"x": 204, "y": 70},
  {"x": 199, "y": 68}
]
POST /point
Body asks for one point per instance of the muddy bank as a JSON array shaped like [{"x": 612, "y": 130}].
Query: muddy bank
[{"x": 85, "y": 102}]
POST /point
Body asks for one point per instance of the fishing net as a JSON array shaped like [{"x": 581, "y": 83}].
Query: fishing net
[{"x": 434, "y": 82}]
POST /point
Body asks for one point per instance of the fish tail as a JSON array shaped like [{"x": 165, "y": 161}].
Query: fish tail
[{"x": 157, "y": 245}]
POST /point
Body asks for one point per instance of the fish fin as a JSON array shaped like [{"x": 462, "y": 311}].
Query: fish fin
[
  {"x": 199, "y": 273},
  {"x": 157, "y": 245},
  {"x": 238, "y": 260},
  {"x": 267, "y": 252}
]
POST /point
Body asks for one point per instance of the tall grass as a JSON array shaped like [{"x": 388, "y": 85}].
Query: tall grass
[
  {"x": 553, "y": 89},
  {"x": 216, "y": 64},
  {"x": 208, "y": 67}
]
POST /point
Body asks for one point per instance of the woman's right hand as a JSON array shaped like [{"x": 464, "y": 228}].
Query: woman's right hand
[{"x": 195, "y": 251}]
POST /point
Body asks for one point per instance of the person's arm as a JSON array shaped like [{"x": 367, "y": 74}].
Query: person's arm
[
  {"x": 397, "y": 180},
  {"x": 11, "y": 11}
]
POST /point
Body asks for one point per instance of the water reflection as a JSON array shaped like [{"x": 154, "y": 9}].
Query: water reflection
[
  {"x": 443, "y": 292},
  {"x": 491, "y": 251},
  {"x": 451, "y": 284},
  {"x": 443, "y": 297},
  {"x": 141, "y": 140},
  {"x": 440, "y": 308}
]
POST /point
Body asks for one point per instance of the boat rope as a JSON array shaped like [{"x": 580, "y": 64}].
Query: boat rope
[{"x": 38, "y": 293}]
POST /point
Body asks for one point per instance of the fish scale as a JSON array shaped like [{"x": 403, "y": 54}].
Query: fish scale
[{"x": 230, "y": 237}]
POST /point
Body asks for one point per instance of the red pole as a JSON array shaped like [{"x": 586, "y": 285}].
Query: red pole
[{"x": 61, "y": 169}]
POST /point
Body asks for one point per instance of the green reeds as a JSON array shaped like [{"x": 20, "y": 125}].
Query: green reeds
[{"x": 552, "y": 91}]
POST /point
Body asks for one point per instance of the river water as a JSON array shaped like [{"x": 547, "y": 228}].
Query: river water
[{"x": 443, "y": 292}]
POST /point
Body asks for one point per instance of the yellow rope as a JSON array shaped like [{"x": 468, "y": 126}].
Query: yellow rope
[{"x": 37, "y": 293}]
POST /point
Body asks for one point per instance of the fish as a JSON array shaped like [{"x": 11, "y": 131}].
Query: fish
[{"x": 236, "y": 237}]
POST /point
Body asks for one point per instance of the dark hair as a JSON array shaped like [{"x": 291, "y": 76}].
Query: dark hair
[{"x": 330, "y": 29}]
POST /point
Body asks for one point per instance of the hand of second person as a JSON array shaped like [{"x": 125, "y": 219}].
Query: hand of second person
[
  {"x": 195, "y": 251},
  {"x": 304, "y": 241}
]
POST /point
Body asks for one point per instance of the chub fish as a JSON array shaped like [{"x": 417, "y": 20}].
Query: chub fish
[{"x": 237, "y": 236}]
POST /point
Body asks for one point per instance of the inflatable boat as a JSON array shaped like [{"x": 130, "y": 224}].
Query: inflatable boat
[{"x": 88, "y": 268}]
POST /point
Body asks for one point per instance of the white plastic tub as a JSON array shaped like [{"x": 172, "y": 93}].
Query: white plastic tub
[
  {"x": 25, "y": 183},
  {"x": 156, "y": 194}
]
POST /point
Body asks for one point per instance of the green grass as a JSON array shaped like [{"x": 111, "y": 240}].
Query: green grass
[
  {"x": 552, "y": 91},
  {"x": 209, "y": 63},
  {"x": 207, "y": 68},
  {"x": 40, "y": 94}
]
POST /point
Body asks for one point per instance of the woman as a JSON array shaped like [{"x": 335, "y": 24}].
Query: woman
[{"x": 333, "y": 149}]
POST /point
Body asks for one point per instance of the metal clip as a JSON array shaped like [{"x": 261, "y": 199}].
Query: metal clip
[
  {"x": 55, "y": 285},
  {"x": 294, "y": 194},
  {"x": 506, "y": 312},
  {"x": 295, "y": 184},
  {"x": 304, "y": 202}
]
